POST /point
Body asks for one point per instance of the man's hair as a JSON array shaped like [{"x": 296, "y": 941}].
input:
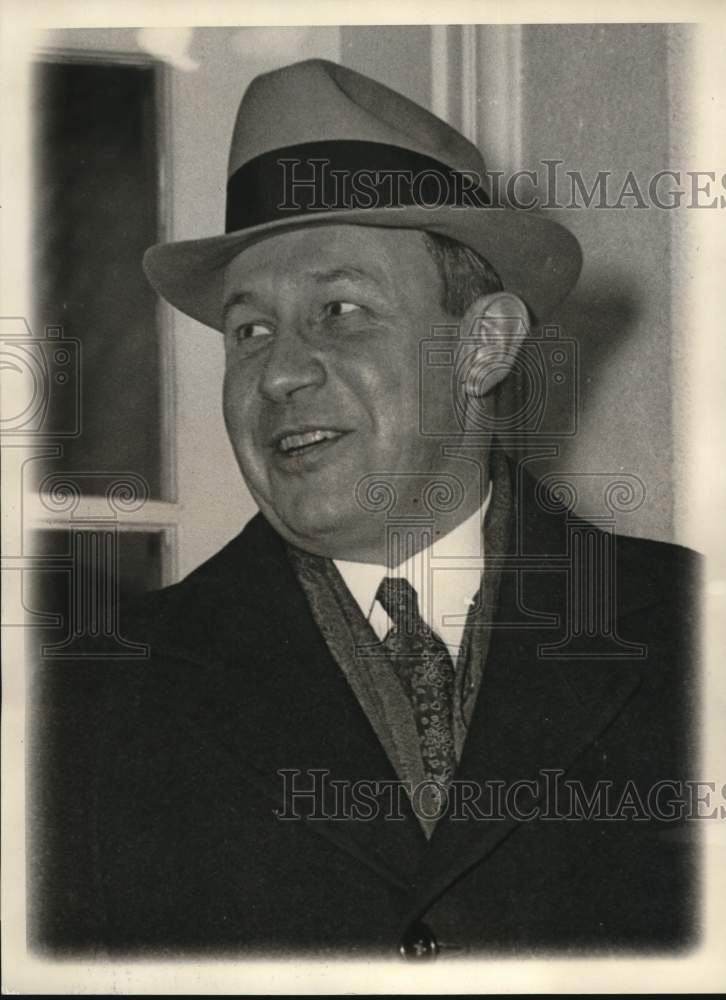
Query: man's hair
[{"x": 465, "y": 275}]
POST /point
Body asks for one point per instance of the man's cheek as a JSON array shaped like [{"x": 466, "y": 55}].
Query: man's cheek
[
  {"x": 230, "y": 398},
  {"x": 379, "y": 386},
  {"x": 237, "y": 404}
]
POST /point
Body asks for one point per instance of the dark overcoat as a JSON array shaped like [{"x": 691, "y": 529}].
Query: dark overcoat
[{"x": 159, "y": 804}]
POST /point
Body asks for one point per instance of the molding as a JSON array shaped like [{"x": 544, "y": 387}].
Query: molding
[
  {"x": 484, "y": 63},
  {"x": 469, "y": 82},
  {"x": 40, "y": 511},
  {"x": 165, "y": 317},
  {"x": 440, "y": 70},
  {"x": 499, "y": 78}
]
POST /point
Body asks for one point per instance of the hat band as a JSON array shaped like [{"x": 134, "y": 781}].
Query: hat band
[{"x": 344, "y": 175}]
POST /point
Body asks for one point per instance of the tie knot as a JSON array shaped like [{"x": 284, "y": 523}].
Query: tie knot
[{"x": 400, "y": 602}]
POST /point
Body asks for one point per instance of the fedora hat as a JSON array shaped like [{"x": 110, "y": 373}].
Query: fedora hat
[{"x": 316, "y": 143}]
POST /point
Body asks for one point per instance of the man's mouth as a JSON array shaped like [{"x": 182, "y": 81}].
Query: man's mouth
[{"x": 302, "y": 442}]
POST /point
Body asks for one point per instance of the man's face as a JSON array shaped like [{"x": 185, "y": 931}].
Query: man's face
[{"x": 322, "y": 334}]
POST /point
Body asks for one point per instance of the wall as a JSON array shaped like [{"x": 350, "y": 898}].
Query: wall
[
  {"x": 597, "y": 97},
  {"x": 603, "y": 97}
]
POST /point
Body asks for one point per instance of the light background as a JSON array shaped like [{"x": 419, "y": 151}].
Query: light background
[{"x": 694, "y": 513}]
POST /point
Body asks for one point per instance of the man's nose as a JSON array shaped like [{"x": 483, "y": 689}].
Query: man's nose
[{"x": 291, "y": 365}]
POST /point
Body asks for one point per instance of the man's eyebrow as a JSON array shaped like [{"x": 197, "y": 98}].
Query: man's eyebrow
[
  {"x": 236, "y": 299},
  {"x": 326, "y": 277},
  {"x": 338, "y": 273}
]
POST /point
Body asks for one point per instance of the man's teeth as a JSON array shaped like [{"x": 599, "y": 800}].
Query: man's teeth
[{"x": 294, "y": 441}]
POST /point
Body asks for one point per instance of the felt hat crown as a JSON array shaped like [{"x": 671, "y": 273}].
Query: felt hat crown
[{"x": 316, "y": 143}]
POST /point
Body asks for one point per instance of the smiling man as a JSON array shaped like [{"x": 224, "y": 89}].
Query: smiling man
[
  {"x": 416, "y": 707},
  {"x": 323, "y": 332}
]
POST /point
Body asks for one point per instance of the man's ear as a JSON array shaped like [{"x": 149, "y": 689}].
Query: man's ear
[{"x": 495, "y": 326}]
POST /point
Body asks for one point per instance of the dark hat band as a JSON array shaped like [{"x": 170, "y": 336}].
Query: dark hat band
[{"x": 343, "y": 175}]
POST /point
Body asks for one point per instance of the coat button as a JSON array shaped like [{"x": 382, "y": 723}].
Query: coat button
[{"x": 419, "y": 943}]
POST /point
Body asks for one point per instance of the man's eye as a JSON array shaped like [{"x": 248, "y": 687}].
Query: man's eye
[
  {"x": 340, "y": 308},
  {"x": 247, "y": 331}
]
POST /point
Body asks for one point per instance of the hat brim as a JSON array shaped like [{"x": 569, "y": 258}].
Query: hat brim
[{"x": 536, "y": 258}]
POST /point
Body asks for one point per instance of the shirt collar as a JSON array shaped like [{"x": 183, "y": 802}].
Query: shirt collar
[{"x": 457, "y": 559}]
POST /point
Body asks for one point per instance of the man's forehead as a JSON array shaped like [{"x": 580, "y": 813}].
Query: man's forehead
[{"x": 329, "y": 253}]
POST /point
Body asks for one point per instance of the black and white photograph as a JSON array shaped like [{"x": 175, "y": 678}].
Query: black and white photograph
[{"x": 363, "y": 484}]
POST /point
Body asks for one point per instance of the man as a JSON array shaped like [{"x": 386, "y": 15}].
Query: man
[{"x": 382, "y": 720}]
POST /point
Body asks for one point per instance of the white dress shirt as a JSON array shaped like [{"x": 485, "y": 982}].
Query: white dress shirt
[{"x": 446, "y": 576}]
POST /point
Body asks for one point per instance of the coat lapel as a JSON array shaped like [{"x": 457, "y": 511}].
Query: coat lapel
[
  {"x": 251, "y": 679},
  {"x": 533, "y": 713}
]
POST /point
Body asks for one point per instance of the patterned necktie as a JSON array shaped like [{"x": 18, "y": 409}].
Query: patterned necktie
[{"x": 426, "y": 672}]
